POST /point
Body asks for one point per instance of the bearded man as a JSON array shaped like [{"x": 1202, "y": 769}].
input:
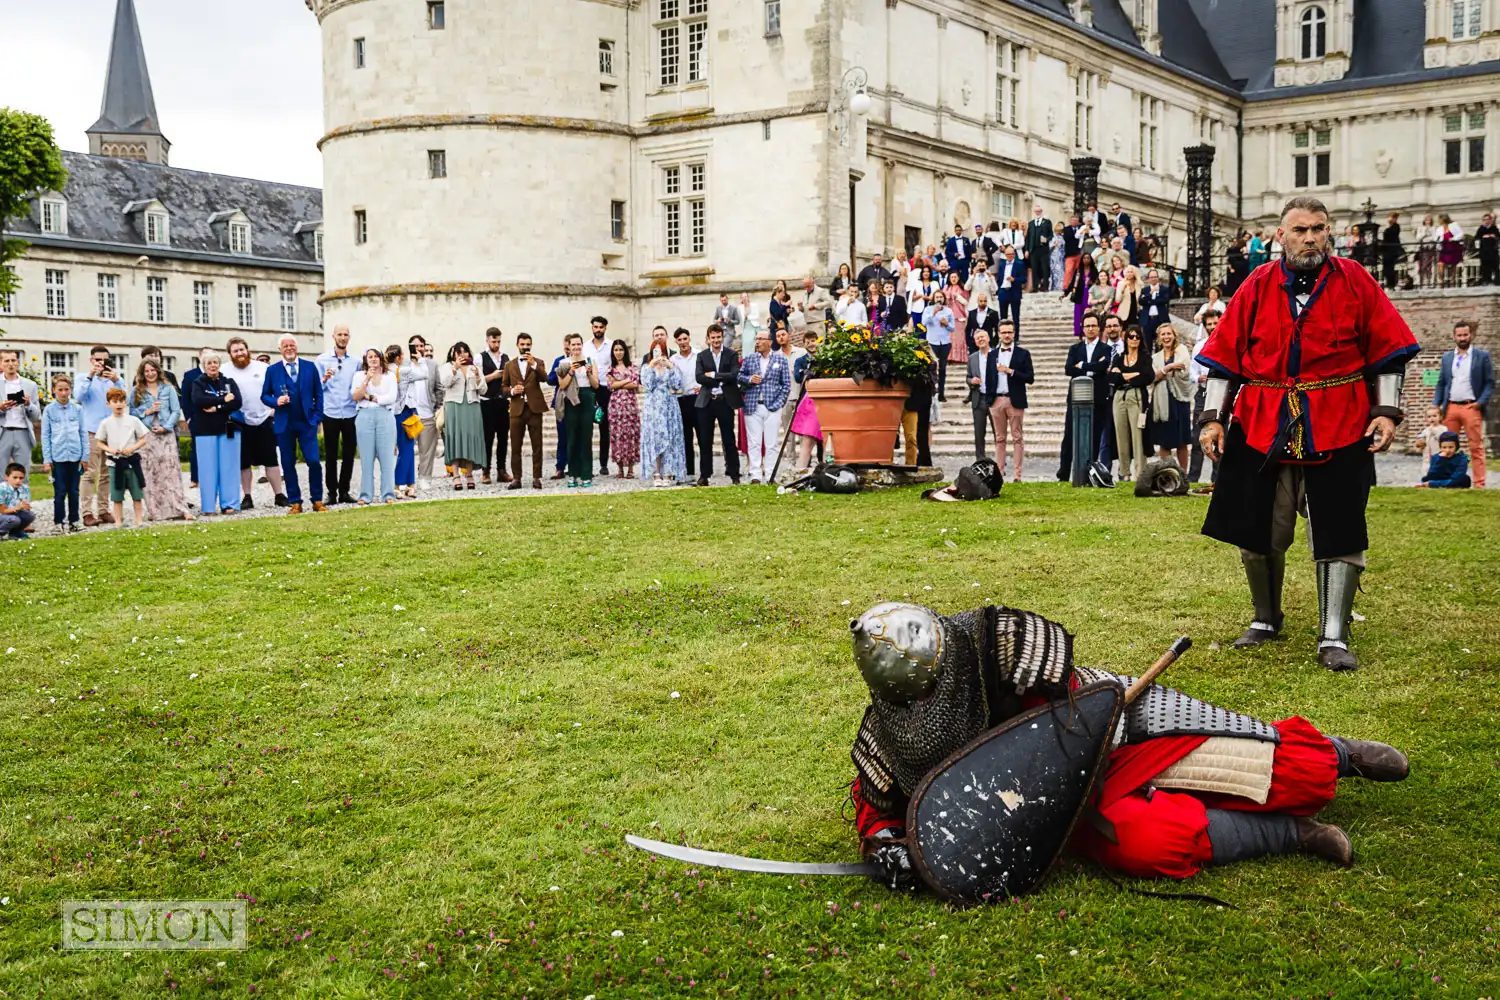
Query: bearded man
[{"x": 1309, "y": 361}]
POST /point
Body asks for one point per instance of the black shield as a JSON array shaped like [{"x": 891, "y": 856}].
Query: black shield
[{"x": 990, "y": 821}]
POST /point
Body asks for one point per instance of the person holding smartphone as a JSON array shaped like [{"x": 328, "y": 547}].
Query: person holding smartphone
[
  {"x": 92, "y": 386},
  {"x": 463, "y": 424},
  {"x": 577, "y": 380}
]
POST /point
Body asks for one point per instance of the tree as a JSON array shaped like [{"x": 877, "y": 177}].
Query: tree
[{"x": 30, "y": 163}]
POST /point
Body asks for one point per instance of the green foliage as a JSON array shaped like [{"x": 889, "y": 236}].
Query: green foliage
[
  {"x": 30, "y": 162},
  {"x": 851, "y": 351},
  {"x": 415, "y": 737}
]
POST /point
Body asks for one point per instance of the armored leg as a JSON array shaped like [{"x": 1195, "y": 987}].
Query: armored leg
[
  {"x": 1265, "y": 574},
  {"x": 1337, "y": 582}
]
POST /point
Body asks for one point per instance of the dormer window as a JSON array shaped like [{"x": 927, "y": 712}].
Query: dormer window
[
  {"x": 1314, "y": 33},
  {"x": 318, "y": 245},
  {"x": 1468, "y": 16},
  {"x": 158, "y": 232},
  {"x": 239, "y": 237},
  {"x": 54, "y": 216}
]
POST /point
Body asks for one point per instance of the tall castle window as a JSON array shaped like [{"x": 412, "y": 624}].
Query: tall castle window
[
  {"x": 1085, "y": 89},
  {"x": 681, "y": 25},
  {"x": 156, "y": 300},
  {"x": 436, "y": 16},
  {"x": 247, "y": 307},
  {"x": 1312, "y": 163},
  {"x": 203, "y": 311},
  {"x": 1468, "y": 17},
  {"x": 1463, "y": 143},
  {"x": 57, "y": 294},
  {"x": 289, "y": 310},
  {"x": 1150, "y": 139},
  {"x": 437, "y": 164},
  {"x": 684, "y": 207},
  {"x": 109, "y": 296},
  {"x": 361, "y": 227},
  {"x": 1008, "y": 84},
  {"x": 1314, "y": 33},
  {"x": 359, "y": 53}
]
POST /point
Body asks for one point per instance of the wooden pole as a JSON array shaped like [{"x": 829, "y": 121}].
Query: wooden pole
[{"x": 1182, "y": 645}]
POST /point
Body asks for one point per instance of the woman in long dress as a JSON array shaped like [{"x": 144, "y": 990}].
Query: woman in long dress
[
  {"x": 1450, "y": 239},
  {"x": 157, "y": 405},
  {"x": 661, "y": 420},
  {"x": 957, "y": 300},
  {"x": 463, "y": 425},
  {"x": 624, "y": 410},
  {"x": 1059, "y": 263},
  {"x": 1426, "y": 250},
  {"x": 1171, "y": 397}
]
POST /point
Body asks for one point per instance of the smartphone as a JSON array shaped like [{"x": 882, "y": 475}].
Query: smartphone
[{"x": 18, "y": 398}]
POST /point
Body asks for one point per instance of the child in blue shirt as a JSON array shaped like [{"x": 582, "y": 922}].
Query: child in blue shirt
[
  {"x": 65, "y": 451},
  {"x": 15, "y": 504},
  {"x": 1448, "y": 470}
]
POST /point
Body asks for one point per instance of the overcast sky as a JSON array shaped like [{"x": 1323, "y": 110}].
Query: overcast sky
[{"x": 237, "y": 82}]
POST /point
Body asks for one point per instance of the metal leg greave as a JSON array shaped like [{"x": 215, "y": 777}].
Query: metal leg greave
[
  {"x": 1265, "y": 574},
  {"x": 1337, "y": 583}
]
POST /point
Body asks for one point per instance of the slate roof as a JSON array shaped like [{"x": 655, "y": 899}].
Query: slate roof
[
  {"x": 1232, "y": 43},
  {"x": 129, "y": 105},
  {"x": 100, "y": 188}
]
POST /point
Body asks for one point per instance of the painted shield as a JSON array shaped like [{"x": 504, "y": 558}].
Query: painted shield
[{"x": 990, "y": 821}]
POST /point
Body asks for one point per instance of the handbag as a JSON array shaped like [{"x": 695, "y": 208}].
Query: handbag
[
  {"x": 413, "y": 426},
  {"x": 598, "y": 414}
]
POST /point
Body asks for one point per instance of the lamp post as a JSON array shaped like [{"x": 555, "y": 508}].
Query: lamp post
[{"x": 853, "y": 99}]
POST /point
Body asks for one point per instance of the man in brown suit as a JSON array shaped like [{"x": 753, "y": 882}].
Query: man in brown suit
[{"x": 521, "y": 383}]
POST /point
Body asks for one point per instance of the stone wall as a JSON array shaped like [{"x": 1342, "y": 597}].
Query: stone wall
[{"x": 1431, "y": 314}]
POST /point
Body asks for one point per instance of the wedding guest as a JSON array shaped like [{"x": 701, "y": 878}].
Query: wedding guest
[
  {"x": 65, "y": 451},
  {"x": 778, "y": 308},
  {"x": 463, "y": 425},
  {"x": 1450, "y": 240},
  {"x": 1131, "y": 375},
  {"x": 1172, "y": 397},
  {"x": 294, "y": 389},
  {"x": 1082, "y": 277},
  {"x": 91, "y": 392},
  {"x": 216, "y": 437},
  {"x": 425, "y": 396},
  {"x": 624, "y": 409},
  {"x": 258, "y": 434},
  {"x": 407, "y": 375},
  {"x": 494, "y": 409},
  {"x": 685, "y": 360},
  {"x": 522, "y": 385},
  {"x": 661, "y": 418},
  {"x": 1128, "y": 297},
  {"x": 119, "y": 437},
  {"x": 850, "y": 310},
  {"x": 805, "y": 420},
  {"x": 981, "y": 317},
  {"x": 20, "y": 405},
  {"x": 15, "y": 504},
  {"x": 751, "y": 322},
  {"x": 1427, "y": 249},
  {"x": 1153, "y": 302},
  {"x": 577, "y": 378},
  {"x": 1390, "y": 250},
  {"x": 766, "y": 381},
  {"x": 816, "y": 305},
  {"x": 841, "y": 281},
  {"x": 981, "y": 400},
  {"x": 375, "y": 392},
  {"x": 1013, "y": 372},
  {"x": 1213, "y": 303},
  {"x": 338, "y": 367},
  {"x": 600, "y": 350},
  {"x": 156, "y": 405},
  {"x": 717, "y": 374}
]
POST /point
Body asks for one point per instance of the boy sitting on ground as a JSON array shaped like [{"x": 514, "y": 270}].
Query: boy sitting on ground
[
  {"x": 15, "y": 504},
  {"x": 1449, "y": 469}
]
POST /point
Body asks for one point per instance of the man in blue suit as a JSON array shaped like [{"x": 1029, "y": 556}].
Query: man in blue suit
[
  {"x": 959, "y": 253},
  {"x": 1466, "y": 380},
  {"x": 1010, "y": 277},
  {"x": 294, "y": 390},
  {"x": 1154, "y": 299}
]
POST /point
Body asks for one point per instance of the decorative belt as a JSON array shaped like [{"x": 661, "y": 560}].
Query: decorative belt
[{"x": 1296, "y": 441}]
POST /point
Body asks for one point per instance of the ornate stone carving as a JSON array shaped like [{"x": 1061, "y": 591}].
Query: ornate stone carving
[{"x": 1383, "y": 163}]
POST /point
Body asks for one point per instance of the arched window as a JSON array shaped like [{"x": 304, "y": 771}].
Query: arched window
[
  {"x": 1315, "y": 33},
  {"x": 1467, "y": 15}
]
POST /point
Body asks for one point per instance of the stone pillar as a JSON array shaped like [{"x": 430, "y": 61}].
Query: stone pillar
[
  {"x": 1200, "y": 218},
  {"x": 1085, "y": 183}
]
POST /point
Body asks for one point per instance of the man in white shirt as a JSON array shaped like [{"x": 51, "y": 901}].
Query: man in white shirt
[
  {"x": 338, "y": 367},
  {"x": 1089, "y": 358},
  {"x": 726, "y": 314},
  {"x": 686, "y": 363},
  {"x": 494, "y": 409},
  {"x": 20, "y": 404},
  {"x": 600, "y": 350},
  {"x": 258, "y": 446},
  {"x": 420, "y": 395}
]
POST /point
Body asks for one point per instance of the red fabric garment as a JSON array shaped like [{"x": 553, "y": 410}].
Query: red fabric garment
[
  {"x": 1164, "y": 834},
  {"x": 1348, "y": 327},
  {"x": 869, "y": 821}
]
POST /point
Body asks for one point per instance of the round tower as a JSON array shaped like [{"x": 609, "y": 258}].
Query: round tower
[{"x": 473, "y": 154}]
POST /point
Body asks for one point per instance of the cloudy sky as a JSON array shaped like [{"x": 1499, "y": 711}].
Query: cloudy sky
[{"x": 237, "y": 82}]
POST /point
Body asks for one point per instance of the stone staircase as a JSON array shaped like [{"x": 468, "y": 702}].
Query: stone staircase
[{"x": 1047, "y": 332}]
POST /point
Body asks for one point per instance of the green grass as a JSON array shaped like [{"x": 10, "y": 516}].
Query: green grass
[{"x": 449, "y": 782}]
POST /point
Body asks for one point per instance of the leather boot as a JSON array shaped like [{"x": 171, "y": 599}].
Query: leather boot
[
  {"x": 1337, "y": 583},
  {"x": 1265, "y": 575},
  {"x": 1324, "y": 840},
  {"x": 1371, "y": 761}
]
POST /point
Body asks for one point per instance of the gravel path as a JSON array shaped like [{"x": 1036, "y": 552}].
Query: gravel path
[{"x": 1392, "y": 470}]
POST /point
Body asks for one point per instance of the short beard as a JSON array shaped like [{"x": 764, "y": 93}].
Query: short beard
[{"x": 1307, "y": 260}]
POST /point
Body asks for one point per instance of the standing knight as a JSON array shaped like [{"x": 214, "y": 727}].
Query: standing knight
[{"x": 1309, "y": 359}]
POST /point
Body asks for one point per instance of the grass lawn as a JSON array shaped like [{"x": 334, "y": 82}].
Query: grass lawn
[{"x": 415, "y": 739}]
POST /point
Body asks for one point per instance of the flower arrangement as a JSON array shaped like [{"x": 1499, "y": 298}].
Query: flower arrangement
[
  {"x": 856, "y": 352},
  {"x": 32, "y": 371}
]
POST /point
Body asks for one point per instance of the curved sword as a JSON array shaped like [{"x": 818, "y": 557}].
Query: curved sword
[{"x": 715, "y": 859}]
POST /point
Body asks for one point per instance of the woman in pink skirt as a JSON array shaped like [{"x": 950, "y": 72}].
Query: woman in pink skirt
[
  {"x": 958, "y": 301},
  {"x": 624, "y": 410},
  {"x": 805, "y": 421}
]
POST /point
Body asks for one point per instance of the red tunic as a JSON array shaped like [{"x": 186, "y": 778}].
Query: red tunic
[{"x": 1347, "y": 329}]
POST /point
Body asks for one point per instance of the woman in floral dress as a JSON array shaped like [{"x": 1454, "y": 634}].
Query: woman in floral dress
[
  {"x": 958, "y": 301},
  {"x": 661, "y": 420},
  {"x": 157, "y": 405},
  {"x": 624, "y": 410}
]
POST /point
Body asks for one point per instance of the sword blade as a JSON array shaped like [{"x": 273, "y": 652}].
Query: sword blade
[{"x": 716, "y": 859}]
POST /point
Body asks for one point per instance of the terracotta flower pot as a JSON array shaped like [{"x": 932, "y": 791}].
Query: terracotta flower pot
[{"x": 859, "y": 421}]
